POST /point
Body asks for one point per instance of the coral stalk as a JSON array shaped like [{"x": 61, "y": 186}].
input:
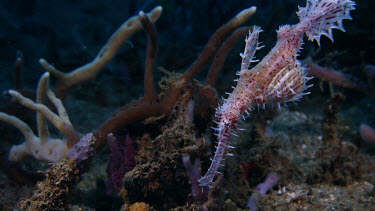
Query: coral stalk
[
  {"x": 144, "y": 107},
  {"x": 279, "y": 77},
  {"x": 78, "y": 76}
]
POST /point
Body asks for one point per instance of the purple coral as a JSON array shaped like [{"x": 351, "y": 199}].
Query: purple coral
[
  {"x": 83, "y": 151},
  {"x": 121, "y": 160},
  {"x": 199, "y": 193},
  {"x": 367, "y": 133},
  {"x": 271, "y": 180}
]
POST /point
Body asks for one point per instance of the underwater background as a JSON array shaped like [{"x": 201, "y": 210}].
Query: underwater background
[{"x": 321, "y": 149}]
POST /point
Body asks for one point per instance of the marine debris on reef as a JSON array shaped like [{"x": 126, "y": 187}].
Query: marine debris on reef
[{"x": 150, "y": 167}]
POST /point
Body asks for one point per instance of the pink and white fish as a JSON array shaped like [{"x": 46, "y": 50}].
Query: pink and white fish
[{"x": 279, "y": 77}]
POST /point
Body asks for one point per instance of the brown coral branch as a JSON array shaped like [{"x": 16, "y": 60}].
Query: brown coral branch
[
  {"x": 208, "y": 52},
  {"x": 336, "y": 77},
  {"x": 328, "y": 74},
  {"x": 132, "y": 112},
  {"x": 152, "y": 49},
  {"x": 67, "y": 80},
  {"x": 147, "y": 106},
  {"x": 141, "y": 109},
  {"x": 222, "y": 53},
  {"x": 18, "y": 69},
  {"x": 216, "y": 41}
]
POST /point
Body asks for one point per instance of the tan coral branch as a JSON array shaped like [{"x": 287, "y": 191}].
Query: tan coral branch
[
  {"x": 19, "y": 124},
  {"x": 60, "y": 121},
  {"x": 51, "y": 150},
  {"x": 108, "y": 51},
  {"x": 40, "y": 95},
  {"x": 43, "y": 147}
]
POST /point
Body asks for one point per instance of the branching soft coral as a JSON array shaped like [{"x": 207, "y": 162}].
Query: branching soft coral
[
  {"x": 42, "y": 147},
  {"x": 150, "y": 105}
]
